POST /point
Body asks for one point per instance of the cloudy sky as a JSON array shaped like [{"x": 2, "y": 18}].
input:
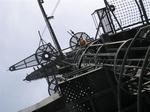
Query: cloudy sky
[{"x": 19, "y": 22}]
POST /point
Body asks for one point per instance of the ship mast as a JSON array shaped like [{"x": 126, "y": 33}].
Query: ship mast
[{"x": 46, "y": 18}]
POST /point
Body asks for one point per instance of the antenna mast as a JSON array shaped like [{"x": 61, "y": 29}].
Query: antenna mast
[{"x": 50, "y": 27}]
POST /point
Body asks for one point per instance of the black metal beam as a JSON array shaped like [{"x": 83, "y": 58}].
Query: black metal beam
[
  {"x": 144, "y": 11},
  {"x": 50, "y": 27}
]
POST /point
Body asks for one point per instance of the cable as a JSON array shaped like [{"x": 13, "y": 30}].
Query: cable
[
  {"x": 56, "y": 6},
  {"x": 53, "y": 12},
  {"x": 44, "y": 30}
]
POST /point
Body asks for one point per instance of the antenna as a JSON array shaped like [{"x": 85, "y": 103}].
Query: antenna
[{"x": 50, "y": 27}]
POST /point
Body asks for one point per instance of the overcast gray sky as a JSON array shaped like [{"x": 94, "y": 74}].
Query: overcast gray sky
[{"x": 19, "y": 22}]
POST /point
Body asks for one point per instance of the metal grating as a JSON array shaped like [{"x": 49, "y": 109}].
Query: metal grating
[
  {"x": 126, "y": 11},
  {"x": 147, "y": 7},
  {"x": 76, "y": 89},
  {"x": 80, "y": 107},
  {"x": 76, "y": 94},
  {"x": 86, "y": 92}
]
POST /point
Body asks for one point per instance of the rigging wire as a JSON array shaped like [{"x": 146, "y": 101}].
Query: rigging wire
[
  {"x": 52, "y": 14},
  {"x": 42, "y": 42},
  {"x": 56, "y": 6}
]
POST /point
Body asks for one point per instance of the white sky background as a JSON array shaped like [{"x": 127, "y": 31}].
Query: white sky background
[{"x": 19, "y": 22}]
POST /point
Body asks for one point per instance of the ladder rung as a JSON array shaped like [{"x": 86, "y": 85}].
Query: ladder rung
[{"x": 106, "y": 54}]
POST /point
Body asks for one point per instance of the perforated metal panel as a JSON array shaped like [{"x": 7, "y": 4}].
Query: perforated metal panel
[
  {"x": 87, "y": 92},
  {"x": 126, "y": 11},
  {"x": 76, "y": 93},
  {"x": 147, "y": 7},
  {"x": 80, "y": 107},
  {"x": 76, "y": 90}
]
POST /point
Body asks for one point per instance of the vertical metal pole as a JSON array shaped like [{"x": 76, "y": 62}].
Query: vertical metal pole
[
  {"x": 144, "y": 11},
  {"x": 109, "y": 17},
  {"x": 50, "y": 27}
]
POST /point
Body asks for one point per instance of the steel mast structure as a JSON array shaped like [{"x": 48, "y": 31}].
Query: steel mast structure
[{"x": 110, "y": 73}]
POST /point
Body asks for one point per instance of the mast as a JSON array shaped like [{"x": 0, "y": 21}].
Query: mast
[{"x": 46, "y": 18}]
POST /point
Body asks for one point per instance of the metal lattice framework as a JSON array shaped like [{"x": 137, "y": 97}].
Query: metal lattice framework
[
  {"x": 74, "y": 40},
  {"x": 126, "y": 11},
  {"x": 106, "y": 71},
  {"x": 128, "y": 59},
  {"x": 44, "y": 54},
  {"x": 147, "y": 5},
  {"x": 119, "y": 15}
]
